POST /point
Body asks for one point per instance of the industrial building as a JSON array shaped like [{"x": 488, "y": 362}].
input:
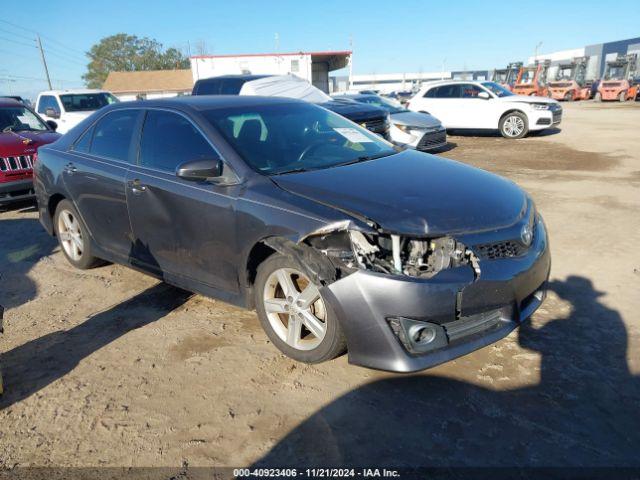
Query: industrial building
[
  {"x": 311, "y": 66},
  {"x": 597, "y": 54}
]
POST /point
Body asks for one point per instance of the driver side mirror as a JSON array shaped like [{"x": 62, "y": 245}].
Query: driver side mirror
[
  {"x": 198, "y": 170},
  {"x": 484, "y": 96},
  {"x": 52, "y": 125},
  {"x": 52, "y": 112}
]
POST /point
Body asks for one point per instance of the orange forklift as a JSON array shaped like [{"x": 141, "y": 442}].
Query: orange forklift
[
  {"x": 532, "y": 80},
  {"x": 507, "y": 76},
  {"x": 570, "y": 82},
  {"x": 619, "y": 82}
]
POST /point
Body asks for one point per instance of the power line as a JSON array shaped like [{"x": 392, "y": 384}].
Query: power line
[
  {"x": 22, "y": 28},
  {"x": 16, "y": 41}
]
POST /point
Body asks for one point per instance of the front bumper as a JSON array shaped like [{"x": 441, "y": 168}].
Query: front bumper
[
  {"x": 16, "y": 191},
  {"x": 540, "y": 119},
  {"x": 467, "y": 312},
  {"x": 423, "y": 139}
]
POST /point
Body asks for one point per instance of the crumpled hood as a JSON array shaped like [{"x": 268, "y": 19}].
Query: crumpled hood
[
  {"x": 354, "y": 110},
  {"x": 414, "y": 193},
  {"x": 415, "y": 119},
  {"x": 23, "y": 142}
]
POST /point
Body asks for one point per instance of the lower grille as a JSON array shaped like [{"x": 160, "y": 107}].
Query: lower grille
[
  {"x": 557, "y": 116},
  {"x": 432, "y": 140},
  {"x": 21, "y": 162}
]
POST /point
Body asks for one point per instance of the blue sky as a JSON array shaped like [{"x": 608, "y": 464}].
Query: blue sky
[{"x": 388, "y": 36}]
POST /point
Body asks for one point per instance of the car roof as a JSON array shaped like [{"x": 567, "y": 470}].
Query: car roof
[
  {"x": 208, "y": 102},
  {"x": 10, "y": 102},
  {"x": 438, "y": 83},
  {"x": 72, "y": 91},
  {"x": 243, "y": 76}
]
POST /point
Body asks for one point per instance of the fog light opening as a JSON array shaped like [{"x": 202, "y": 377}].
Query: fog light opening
[{"x": 422, "y": 335}]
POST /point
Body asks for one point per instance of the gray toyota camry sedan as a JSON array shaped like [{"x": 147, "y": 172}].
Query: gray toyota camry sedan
[{"x": 339, "y": 240}]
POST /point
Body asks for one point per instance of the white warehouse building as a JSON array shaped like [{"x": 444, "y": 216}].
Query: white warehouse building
[{"x": 311, "y": 66}]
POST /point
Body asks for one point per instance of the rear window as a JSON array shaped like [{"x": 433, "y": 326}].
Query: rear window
[{"x": 220, "y": 86}]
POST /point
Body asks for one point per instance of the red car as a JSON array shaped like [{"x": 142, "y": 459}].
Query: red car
[{"x": 22, "y": 131}]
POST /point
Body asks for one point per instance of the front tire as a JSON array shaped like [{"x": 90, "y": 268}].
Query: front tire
[
  {"x": 293, "y": 313},
  {"x": 73, "y": 236},
  {"x": 598, "y": 97},
  {"x": 622, "y": 97},
  {"x": 513, "y": 125}
]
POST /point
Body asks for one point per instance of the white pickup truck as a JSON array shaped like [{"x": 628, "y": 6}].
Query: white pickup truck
[{"x": 69, "y": 107}]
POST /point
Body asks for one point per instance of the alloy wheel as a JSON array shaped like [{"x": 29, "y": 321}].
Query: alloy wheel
[
  {"x": 70, "y": 235},
  {"x": 295, "y": 309},
  {"x": 513, "y": 126}
]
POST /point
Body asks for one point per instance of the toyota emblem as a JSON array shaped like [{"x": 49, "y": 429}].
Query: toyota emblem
[{"x": 526, "y": 234}]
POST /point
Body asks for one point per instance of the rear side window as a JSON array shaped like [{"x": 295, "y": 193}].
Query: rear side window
[
  {"x": 112, "y": 136},
  {"x": 169, "y": 139},
  {"x": 448, "y": 91},
  {"x": 208, "y": 87}
]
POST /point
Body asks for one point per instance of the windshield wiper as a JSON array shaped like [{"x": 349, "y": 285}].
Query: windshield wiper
[
  {"x": 365, "y": 158},
  {"x": 7, "y": 129}
]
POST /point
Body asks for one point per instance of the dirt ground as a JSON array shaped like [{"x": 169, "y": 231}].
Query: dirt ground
[{"x": 108, "y": 367}]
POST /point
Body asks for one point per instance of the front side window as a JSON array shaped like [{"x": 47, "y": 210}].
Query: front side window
[
  {"x": 86, "y": 102},
  {"x": 113, "y": 133},
  {"x": 16, "y": 119},
  {"x": 169, "y": 139},
  {"x": 470, "y": 91},
  {"x": 285, "y": 137}
]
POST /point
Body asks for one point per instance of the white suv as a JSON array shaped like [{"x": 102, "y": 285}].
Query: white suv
[
  {"x": 485, "y": 105},
  {"x": 69, "y": 107}
]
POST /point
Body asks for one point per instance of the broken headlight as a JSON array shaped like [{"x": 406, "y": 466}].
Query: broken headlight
[{"x": 394, "y": 254}]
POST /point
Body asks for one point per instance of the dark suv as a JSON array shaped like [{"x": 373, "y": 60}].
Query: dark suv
[{"x": 374, "y": 119}]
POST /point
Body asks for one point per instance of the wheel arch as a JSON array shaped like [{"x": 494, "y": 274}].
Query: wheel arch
[{"x": 512, "y": 110}]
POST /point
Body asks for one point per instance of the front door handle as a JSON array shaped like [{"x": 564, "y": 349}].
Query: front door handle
[
  {"x": 70, "y": 168},
  {"x": 136, "y": 187}
]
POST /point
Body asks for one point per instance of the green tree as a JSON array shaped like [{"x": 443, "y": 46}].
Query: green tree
[{"x": 122, "y": 52}]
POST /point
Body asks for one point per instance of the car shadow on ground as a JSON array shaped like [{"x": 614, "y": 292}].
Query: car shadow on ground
[
  {"x": 23, "y": 242},
  {"x": 583, "y": 412},
  {"x": 496, "y": 134},
  {"x": 32, "y": 366}
]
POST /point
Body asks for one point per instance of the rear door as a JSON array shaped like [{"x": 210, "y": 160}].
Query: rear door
[
  {"x": 442, "y": 103},
  {"x": 95, "y": 177},
  {"x": 182, "y": 229}
]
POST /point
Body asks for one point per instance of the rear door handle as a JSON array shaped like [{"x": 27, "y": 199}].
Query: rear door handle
[
  {"x": 70, "y": 168},
  {"x": 136, "y": 187}
]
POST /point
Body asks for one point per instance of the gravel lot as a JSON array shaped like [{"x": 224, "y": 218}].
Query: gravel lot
[{"x": 108, "y": 367}]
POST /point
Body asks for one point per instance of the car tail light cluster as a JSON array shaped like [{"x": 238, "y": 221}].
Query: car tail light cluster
[{"x": 20, "y": 162}]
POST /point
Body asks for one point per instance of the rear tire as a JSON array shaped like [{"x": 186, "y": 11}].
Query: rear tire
[
  {"x": 513, "y": 125},
  {"x": 622, "y": 97},
  {"x": 568, "y": 97},
  {"x": 293, "y": 313},
  {"x": 598, "y": 97},
  {"x": 73, "y": 236}
]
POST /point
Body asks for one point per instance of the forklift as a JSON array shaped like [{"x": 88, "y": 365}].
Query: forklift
[
  {"x": 570, "y": 83},
  {"x": 620, "y": 81},
  {"x": 532, "y": 80},
  {"x": 507, "y": 76}
]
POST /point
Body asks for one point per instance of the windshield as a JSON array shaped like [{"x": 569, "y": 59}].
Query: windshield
[
  {"x": 615, "y": 73},
  {"x": 565, "y": 73},
  {"x": 86, "y": 102},
  {"x": 389, "y": 105},
  {"x": 17, "y": 119},
  {"x": 500, "y": 76},
  {"x": 287, "y": 137},
  {"x": 498, "y": 90}
]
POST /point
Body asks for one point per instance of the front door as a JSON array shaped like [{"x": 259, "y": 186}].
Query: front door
[
  {"x": 182, "y": 228},
  {"x": 95, "y": 177}
]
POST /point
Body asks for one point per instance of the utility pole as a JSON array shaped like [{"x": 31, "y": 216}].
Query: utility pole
[
  {"x": 350, "y": 82},
  {"x": 44, "y": 62},
  {"x": 535, "y": 56}
]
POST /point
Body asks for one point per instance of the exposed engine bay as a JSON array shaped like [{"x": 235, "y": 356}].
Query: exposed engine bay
[{"x": 394, "y": 254}]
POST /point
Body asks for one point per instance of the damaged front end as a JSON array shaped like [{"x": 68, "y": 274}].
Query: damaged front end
[
  {"x": 409, "y": 303},
  {"x": 390, "y": 254}
]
